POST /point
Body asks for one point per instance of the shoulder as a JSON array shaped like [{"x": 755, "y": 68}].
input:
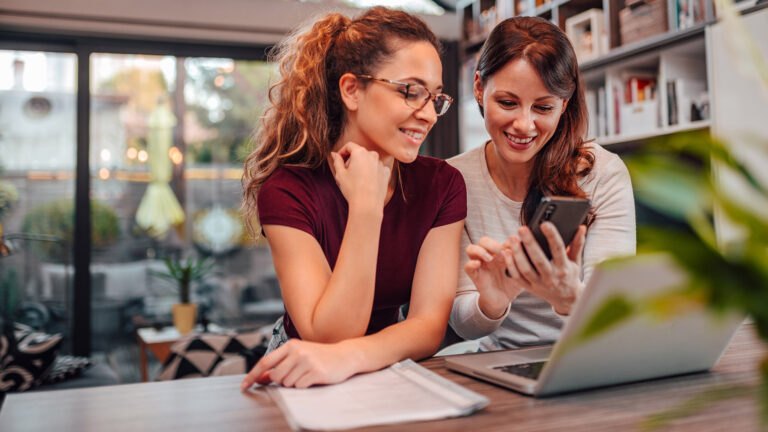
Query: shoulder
[
  {"x": 293, "y": 183},
  {"x": 430, "y": 169},
  {"x": 293, "y": 177},
  {"x": 433, "y": 183},
  {"x": 606, "y": 165},
  {"x": 469, "y": 161}
]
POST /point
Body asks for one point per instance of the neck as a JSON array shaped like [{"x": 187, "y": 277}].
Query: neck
[
  {"x": 359, "y": 139},
  {"x": 513, "y": 180},
  {"x": 353, "y": 136}
]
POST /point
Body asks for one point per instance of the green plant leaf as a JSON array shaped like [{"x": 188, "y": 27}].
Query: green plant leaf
[{"x": 614, "y": 311}]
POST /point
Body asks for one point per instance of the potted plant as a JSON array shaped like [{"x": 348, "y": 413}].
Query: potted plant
[{"x": 183, "y": 273}]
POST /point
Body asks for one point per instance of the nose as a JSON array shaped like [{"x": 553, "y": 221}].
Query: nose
[
  {"x": 427, "y": 112},
  {"x": 524, "y": 122}
]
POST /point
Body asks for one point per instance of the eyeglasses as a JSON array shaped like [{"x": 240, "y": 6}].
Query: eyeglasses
[{"x": 417, "y": 96}]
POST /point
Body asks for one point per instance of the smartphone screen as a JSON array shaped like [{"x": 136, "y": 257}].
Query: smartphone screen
[{"x": 566, "y": 213}]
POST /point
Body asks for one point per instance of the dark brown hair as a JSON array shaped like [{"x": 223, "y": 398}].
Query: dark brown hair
[
  {"x": 306, "y": 115},
  {"x": 564, "y": 159}
]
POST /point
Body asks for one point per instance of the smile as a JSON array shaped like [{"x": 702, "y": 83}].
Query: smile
[
  {"x": 414, "y": 136},
  {"x": 412, "y": 133},
  {"x": 520, "y": 140},
  {"x": 519, "y": 143}
]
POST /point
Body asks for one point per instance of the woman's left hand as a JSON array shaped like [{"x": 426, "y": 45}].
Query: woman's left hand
[
  {"x": 302, "y": 364},
  {"x": 558, "y": 281}
]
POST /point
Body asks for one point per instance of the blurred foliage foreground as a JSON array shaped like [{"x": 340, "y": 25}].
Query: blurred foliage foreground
[{"x": 696, "y": 179}]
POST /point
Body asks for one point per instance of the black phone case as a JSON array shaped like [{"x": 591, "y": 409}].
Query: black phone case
[{"x": 565, "y": 213}]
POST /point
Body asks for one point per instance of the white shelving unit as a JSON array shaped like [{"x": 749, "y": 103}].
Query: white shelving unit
[{"x": 677, "y": 63}]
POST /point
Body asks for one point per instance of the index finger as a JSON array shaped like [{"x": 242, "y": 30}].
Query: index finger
[
  {"x": 264, "y": 365},
  {"x": 347, "y": 148},
  {"x": 490, "y": 245},
  {"x": 556, "y": 245}
]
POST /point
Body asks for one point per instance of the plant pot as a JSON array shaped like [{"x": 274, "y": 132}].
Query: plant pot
[{"x": 184, "y": 316}]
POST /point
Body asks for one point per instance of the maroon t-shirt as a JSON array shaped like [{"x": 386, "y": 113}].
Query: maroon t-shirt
[{"x": 309, "y": 200}]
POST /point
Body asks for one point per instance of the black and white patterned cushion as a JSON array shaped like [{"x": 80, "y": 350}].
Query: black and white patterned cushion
[
  {"x": 199, "y": 355},
  {"x": 66, "y": 367},
  {"x": 26, "y": 357}
]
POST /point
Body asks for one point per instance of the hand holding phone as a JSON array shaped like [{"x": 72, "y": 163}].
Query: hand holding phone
[{"x": 565, "y": 213}]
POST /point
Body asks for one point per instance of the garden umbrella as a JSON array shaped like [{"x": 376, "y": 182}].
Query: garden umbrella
[{"x": 159, "y": 209}]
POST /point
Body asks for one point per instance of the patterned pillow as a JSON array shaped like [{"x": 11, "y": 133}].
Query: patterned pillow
[
  {"x": 66, "y": 367},
  {"x": 26, "y": 357},
  {"x": 197, "y": 356}
]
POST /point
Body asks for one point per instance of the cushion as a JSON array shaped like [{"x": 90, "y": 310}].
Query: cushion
[
  {"x": 26, "y": 357},
  {"x": 66, "y": 367},
  {"x": 198, "y": 356}
]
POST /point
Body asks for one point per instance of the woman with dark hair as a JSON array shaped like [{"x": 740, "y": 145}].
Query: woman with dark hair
[
  {"x": 358, "y": 223},
  {"x": 530, "y": 93}
]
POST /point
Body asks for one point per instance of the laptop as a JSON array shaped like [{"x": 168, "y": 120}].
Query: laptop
[{"x": 638, "y": 348}]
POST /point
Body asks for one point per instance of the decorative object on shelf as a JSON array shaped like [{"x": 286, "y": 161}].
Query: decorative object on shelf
[
  {"x": 641, "y": 19},
  {"x": 587, "y": 35},
  {"x": 184, "y": 272}
]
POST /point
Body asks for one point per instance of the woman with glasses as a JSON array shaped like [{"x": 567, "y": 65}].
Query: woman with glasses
[
  {"x": 358, "y": 223},
  {"x": 531, "y": 95}
]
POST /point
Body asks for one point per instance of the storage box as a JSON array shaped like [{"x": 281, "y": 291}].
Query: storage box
[
  {"x": 642, "y": 19},
  {"x": 585, "y": 31}
]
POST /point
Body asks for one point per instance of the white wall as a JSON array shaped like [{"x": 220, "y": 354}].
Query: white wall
[{"x": 246, "y": 21}]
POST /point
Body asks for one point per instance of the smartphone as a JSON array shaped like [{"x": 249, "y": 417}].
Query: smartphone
[{"x": 566, "y": 213}]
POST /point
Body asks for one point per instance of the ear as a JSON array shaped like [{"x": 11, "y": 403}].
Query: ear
[
  {"x": 565, "y": 104},
  {"x": 349, "y": 88},
  {"x": 477, "y": 89}
]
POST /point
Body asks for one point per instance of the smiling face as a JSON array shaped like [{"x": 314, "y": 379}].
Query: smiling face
[
  {"x": 379, "y": 118},
  {"x": 521, "y": 115}
]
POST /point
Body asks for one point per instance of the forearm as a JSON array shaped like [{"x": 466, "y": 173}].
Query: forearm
[
  {"x": 469, "y": 321},
  {"x": 344, "y": 309},
  {"x": 413, "y": 338}
]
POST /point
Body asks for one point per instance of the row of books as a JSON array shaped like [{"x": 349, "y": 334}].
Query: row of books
[{"x": 636, "y": 105}]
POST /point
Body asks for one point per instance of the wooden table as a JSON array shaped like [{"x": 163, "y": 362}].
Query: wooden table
[
  {"x": 216, "y": 404},
  {"x": 159, "y": 341}
]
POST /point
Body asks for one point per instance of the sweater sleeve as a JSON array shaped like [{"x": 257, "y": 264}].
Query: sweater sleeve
[
  {"x": 612, "y": 233},
  {"x": 466, "y": 318}
]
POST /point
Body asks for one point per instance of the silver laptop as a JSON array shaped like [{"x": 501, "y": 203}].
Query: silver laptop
[{"x": 639, "y": 348}]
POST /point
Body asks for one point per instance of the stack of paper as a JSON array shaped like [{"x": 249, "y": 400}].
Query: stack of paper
[{"x": 404, "y": 392}]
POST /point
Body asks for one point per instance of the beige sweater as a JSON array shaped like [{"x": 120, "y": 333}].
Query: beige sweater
[{"x": 531, "y": 320}]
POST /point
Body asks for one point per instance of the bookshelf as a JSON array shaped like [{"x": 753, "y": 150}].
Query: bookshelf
[{"x": 646, "y": 63}]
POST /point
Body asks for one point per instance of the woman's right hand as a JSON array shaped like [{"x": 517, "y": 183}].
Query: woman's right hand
[
  {"x": 362, "y": 177},
  {"x": 488, "y": 261},
  {"x": 301, "y": 364}
]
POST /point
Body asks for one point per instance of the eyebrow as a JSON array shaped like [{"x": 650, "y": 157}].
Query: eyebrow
[
  {"x": 537, "y": 99},
  {"x": 420, "y": 82}
]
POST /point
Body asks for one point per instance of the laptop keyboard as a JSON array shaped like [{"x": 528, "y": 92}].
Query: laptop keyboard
[{"x": 526, "y": 370}]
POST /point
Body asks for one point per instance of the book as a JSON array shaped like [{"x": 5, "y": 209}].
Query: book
[
  {"x": 403, "y": 392},
  {"x": 590, "y": 96},
  {"x": 672, "y": 117},
  {"x": 602, "y": 113}
]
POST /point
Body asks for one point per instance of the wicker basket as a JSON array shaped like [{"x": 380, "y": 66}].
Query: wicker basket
[{"x": 642, "y": 19}]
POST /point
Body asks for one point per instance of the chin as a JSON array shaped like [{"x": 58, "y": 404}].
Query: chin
[{"x": 407, "y": 157}]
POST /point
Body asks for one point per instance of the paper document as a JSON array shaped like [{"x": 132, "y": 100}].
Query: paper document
[{"x": 403, "y": 392}]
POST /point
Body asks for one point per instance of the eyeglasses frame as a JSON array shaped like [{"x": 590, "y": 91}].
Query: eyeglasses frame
[{"x": 408, "y": 86}]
